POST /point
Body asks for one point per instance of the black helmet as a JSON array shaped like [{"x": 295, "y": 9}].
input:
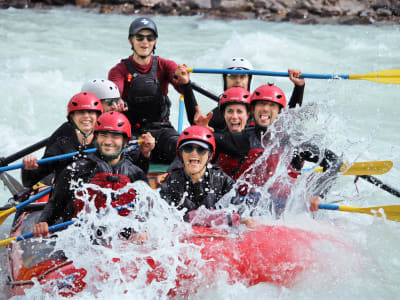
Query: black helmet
[{"x": 142, "y": 23}]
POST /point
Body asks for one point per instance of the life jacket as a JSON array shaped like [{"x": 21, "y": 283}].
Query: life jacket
[
  {"x": 146, "y": 103},
  {"x": 228, "y": 164},
  {"x": 109, "y": 181},
  {"x": 259, "y": 175}
]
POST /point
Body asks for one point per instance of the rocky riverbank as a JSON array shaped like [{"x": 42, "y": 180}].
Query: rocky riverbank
[{"x": 303, "y": 12}]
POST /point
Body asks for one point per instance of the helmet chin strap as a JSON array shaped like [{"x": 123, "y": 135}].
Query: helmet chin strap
[{"x": 84, "y": 135}]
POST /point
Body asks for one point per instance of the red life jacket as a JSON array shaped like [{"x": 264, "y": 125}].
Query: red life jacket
[
  {"x": 229, "y": 165},
  {"x": 109, "y": 181},
  {"x": 262, "y": 173}
]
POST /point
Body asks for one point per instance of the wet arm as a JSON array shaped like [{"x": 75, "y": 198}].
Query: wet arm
[{"x": 297, "y": 96}]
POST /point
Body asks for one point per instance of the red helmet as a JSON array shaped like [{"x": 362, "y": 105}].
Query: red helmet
[
  {"x": 234, "y": 95},
  {"x": 84, "y": 101},
  {"x": 197, "y": 133},
  {"x": 113, "y": 121},
  {"x": 269, "y": 92}
]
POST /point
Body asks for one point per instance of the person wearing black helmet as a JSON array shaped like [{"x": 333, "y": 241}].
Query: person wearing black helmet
[{"x": 143, "y": 80}]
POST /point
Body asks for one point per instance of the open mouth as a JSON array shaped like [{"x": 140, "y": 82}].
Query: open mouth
[
  {"x": 236, "y": 125},
  {"x": 265, "y": 117},
  {"x": 194, "y": 162}
]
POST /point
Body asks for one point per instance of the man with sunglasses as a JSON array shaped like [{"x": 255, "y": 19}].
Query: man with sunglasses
[
  {"x": 143, "y": 81},
  {"x": 197, "y": 183}
]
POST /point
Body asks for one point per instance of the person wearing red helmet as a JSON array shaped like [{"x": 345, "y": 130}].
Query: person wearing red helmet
[
  {"x": 198, "y": 183},
  {"x": 107, "y": 168},
  {"x": 266, "y": 102},
  {"x": 216, "y": 119},
  {"x": 143, "y": 81},
  {"x": 76, "y": 134}
]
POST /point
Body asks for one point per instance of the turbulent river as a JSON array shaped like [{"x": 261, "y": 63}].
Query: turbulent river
[{"x": 46, "y": 56}]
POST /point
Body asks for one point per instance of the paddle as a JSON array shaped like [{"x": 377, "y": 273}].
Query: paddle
[
  {"x": 47, "y": 160},
  {"x": 392, "y": 212},
  {"x": 54, "y": 228},
  {"x": 181, "y": 110},
  {"x": 380, "y": 184},
  {"x": 13, "y": 185},
  {"x": 386, "y": 76},
  {"x": 62, "y": 156},
  {"x": 204, "y": 92},
  {"x": 4, "y": 161},
  {"x": 4, "y": 214},
  {"x": 362, "y": 168}
]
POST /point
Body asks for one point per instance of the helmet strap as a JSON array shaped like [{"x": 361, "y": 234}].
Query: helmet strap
[{"x": 84, "y": 135}]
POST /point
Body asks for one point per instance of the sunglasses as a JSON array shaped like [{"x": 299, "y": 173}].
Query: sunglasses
[
  {"x": 189, "y": 149},
  {"x": 111, "y": 101},
  {"x": 141, "y": 37}
]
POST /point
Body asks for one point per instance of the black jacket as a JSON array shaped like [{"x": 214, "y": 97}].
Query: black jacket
[
  {"x": 61, "y": 206},
  {"x": 178, "y": 189}
]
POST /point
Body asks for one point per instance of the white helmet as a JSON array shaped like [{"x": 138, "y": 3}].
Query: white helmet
[
  {"x": 102, "y": 88},
  {"x": 237, "y": 63}
]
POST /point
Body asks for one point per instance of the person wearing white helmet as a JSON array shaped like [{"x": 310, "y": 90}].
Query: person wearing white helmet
[{"x": 108, "y": 93}]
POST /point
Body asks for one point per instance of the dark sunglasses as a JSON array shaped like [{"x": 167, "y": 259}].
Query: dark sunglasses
[
  {"x": 141, "y": 37},
  {"x": 111, "y": 101},
  {"x": 189, "y": 149}
]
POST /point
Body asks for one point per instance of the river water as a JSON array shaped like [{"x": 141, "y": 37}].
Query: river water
[{"x": 46, "y": 56}]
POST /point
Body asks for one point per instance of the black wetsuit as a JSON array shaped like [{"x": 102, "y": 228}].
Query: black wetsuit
[
  {"x": 178, "y": 189},
  {"x": 61, "y": 207}
]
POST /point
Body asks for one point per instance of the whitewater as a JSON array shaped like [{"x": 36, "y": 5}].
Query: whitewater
[{"x": 47, "y": 55}]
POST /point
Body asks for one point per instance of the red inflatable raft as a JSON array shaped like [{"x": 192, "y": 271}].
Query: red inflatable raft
[{"x": 272, "y": 254}]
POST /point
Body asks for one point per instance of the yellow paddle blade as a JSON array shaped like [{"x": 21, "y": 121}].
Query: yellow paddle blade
[
  {"x": 6, "y": 213},
  {"x": 7, "y": 241},
  {"x": 365, "y": 168},
  {"x": 392, "y": 212},
  {"x": 386, "y": 76}
]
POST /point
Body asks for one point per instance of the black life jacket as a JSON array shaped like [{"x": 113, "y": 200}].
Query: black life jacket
[{"x": 146, "y": 103}]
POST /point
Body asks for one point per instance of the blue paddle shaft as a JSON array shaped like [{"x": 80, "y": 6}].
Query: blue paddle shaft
[
  {"x": 46, "y": 160},
  {"x": 34, "y": 198},
  {"x": 270, "y": 73},
  {"x": 54, "y": 158},
  {"x": 328, "y": 206},
  {"x": 180, "y": 120}
]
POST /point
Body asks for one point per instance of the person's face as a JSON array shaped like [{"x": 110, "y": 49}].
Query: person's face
[
  {"x": 237, "y": 80},
  {"x": 110, "y": 144},
  {"x": 194, "y": 158},
  {"x": 236, "y": 116},
  {"x": 84, "y": 120},
  {"x": 110, "y": 105},
  {"x": 143, "y": 42},
  {"x": 265, "y": 112}
]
